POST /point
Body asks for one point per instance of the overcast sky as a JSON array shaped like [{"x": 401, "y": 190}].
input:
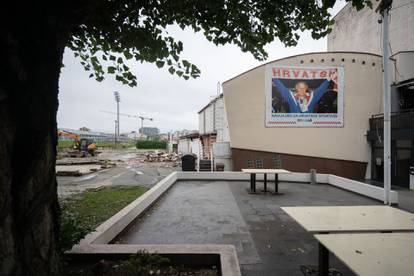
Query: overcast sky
[{"x": 170, "y": 100}]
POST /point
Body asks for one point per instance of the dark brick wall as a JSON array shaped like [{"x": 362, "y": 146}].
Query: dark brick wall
[{"x": 297, "y": 163}]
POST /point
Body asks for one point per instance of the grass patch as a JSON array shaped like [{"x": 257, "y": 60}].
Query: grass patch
[
  {"x": 65, "y": 144},
  {"x": 95, "y": 206},
  {"x": 151, "y": 144}
]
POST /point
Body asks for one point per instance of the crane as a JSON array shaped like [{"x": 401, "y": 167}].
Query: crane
[
  {"x": 144, "y": 118},
  {"x": 141, "y": 117}
]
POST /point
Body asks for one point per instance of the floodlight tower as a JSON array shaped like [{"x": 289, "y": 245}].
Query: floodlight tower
[{"x": 117, "y": 100}]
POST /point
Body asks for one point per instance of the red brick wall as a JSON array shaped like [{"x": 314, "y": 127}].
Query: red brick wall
[{"x": 298, "y": 163}]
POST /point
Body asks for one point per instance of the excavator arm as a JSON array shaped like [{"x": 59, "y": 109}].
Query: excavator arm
[{"x": 73, "y": 136}]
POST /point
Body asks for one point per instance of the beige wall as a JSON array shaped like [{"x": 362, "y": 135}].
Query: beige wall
[
  {"x": 360, "y": 31},
  {"x": 245, "y": 105}
]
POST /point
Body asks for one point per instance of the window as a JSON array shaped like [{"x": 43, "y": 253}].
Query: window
[{"x": 259, "y": 164}]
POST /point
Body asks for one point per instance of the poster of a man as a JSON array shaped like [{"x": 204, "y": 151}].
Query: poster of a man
[{"x": 311, "y": 97}]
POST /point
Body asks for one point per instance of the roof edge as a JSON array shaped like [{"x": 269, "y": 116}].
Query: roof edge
[{"x": 299, "y": 55}]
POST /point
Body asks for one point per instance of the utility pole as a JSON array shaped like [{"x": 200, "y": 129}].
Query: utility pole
[
  {"x": 117, "y": 100},
  {"x": 383, "y": 8}
]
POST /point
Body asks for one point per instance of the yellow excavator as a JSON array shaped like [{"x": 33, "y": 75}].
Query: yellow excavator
[{"x": 83, "y": 145}]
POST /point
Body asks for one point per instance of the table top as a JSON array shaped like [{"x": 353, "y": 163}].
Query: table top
[
  {"x": 373, "y": 254},
  {"x": 372, "y": 218},
  {"x": 265, "y": 171}
]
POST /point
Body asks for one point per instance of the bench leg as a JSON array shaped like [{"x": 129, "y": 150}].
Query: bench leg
[
  {"x": 276, "y": 183},
  {"x": 323, "y": 260},
  {"x": 265, "y": 183},
  {"x": 251, "y": 182},
  {"x": 254, "y": 183}
]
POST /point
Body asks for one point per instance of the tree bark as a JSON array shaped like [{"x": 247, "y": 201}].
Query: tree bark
[{"x": 31, "y": 58}]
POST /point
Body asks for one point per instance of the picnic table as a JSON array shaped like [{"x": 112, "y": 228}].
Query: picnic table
[
  {"x": 349, "y": 219},
  {"x": 253, "y": 173},
  {"x": 373, "y": 254}
]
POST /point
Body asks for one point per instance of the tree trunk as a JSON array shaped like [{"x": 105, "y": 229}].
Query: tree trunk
[{"x": 31, "y": 59}]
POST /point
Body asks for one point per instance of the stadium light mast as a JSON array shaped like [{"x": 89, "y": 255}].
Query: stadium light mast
[
  {"x": 383, "y": 8},
  {"x": 117, "y": 100}
]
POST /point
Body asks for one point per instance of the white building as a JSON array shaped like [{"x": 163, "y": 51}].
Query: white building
[{"x": 214, "y": 132}]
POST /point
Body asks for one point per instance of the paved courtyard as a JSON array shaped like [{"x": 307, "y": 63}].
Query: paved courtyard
[{"x": 268, "y": 241}]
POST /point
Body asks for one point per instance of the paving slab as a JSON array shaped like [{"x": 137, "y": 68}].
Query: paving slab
[
  {"x": 268, "y": 241},
  {"x": 195, "y": 212},
  {"x": 282, "y": 244}
]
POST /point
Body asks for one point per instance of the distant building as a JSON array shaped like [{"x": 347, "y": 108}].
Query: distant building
[
  {"x": 133, "y": 135},
  {"x": 97, "y": 136},
  {"x": 163, "y": 136},
  {"x": 149, "y": 132}
]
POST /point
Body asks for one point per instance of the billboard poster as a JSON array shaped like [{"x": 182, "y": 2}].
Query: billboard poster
[{"x": 304, "y": 96}]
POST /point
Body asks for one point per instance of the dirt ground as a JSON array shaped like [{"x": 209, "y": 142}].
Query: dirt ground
[{"x": 130, "y": 169}]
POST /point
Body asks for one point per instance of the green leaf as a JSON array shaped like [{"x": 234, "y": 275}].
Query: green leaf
[
  {"x": 186, "y": 63},
  {"x": 160, "y": 63},
  {"x": 128, "y": 55},
  {"x": 171, "y": 70},
  {"x": 111, "y": 69}
]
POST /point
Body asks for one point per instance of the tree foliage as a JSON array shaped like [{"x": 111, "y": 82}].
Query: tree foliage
[{"x": 114, "y": 31}]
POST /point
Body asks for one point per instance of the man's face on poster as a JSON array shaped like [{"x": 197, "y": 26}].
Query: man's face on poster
[{"x": 301, "y": 88}]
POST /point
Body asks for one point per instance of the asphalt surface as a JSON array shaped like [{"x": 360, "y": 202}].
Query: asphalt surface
[{"x": 267, "y": 240}]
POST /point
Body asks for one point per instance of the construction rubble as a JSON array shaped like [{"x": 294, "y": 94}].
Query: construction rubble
[
  {"x": 68, "y": 166},
  {"x": 163, "y": 157}
]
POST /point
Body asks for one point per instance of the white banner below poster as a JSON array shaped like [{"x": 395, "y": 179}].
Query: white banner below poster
[{"x": 304, "y": 96}]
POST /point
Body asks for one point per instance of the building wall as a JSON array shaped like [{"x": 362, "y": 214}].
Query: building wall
[
  {"x": 405, "y": 63},
  {"x": 245, "y": 105},
  {"x": 360, "y": 31},
  {"x": 213, "y": 126},
  {"x": 212, "y": 119},
  {"x": 201, "y": 119},
  {"x": 297, "y": 163},
  {"x": 184, "y": 146},
  {"x": 206, "y": 119}
]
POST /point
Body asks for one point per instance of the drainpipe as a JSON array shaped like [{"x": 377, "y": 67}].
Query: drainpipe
[{"x": 212, "y": 158}]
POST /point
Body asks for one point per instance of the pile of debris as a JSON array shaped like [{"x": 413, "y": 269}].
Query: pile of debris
[{"x": 163, "y": 157}]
